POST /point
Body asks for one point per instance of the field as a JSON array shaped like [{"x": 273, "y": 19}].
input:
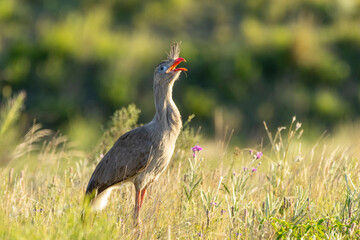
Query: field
[{"x": 284, "y": 187}]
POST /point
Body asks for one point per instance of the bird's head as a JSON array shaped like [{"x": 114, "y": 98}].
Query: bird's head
[{"x": 166, "y": 72}]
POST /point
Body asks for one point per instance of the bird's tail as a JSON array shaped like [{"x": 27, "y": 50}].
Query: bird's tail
[
  {"x": 99, "y": 202},
  {"x": 94, "y": 201}
]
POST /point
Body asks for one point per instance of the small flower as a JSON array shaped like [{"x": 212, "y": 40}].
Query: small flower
[
  {"x": 258, "y": 155},
  {"x": 250, "y": 151},
  {"x": 223, "y": 211},
  {"x": 197, "y": 148},
  {"x": 101, "y": 155},
  {"x": 213, "y": 203},
  {"x": 234, "y": 173},
  {"x": 200, "y": 234},
  {"x": 245, "y": 168},
  {"x": 253, "y": 169},
  {"x": 238, "y": 234}
]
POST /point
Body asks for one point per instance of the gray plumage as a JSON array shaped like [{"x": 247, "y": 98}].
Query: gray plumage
[{"x": 142, "y": 154}]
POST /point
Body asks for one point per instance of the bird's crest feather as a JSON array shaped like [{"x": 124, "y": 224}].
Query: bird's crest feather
[{"x": 174, "y": 51}]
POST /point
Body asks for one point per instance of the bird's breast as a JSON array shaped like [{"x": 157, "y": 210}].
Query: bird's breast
[{"x": 159, "y": 160}]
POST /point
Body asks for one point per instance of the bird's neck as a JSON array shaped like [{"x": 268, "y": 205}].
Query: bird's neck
[{"x": 167, "y": 115}]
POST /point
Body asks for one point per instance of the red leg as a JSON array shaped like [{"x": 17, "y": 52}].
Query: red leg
[
  {"x": 139, "y": 199},
  {"x": 137, "y": 206},
  {"x": 142, "y": 195}
]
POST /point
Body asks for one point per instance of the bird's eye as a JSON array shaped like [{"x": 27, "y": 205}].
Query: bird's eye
[{"x": 163, "y": 68}]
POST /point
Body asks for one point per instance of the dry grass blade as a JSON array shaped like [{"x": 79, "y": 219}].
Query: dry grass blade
[
  {"x": 10, "y": 112},
  {"x": 28, "y": 144}
]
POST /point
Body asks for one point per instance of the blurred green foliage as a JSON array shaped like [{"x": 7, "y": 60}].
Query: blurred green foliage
[{"x": 255, "y": 60}]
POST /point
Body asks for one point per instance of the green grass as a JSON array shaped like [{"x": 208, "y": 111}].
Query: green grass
[{"x": 299, "y": 190}]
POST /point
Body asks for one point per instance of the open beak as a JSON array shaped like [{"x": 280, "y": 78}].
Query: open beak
[{"x": 176, "y": 62}]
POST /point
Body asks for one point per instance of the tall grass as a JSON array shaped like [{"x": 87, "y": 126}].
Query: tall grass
[{"x": 296, "y": 189}]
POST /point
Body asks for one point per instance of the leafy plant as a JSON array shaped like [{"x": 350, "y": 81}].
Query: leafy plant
[{"x": 122, "y": 121}]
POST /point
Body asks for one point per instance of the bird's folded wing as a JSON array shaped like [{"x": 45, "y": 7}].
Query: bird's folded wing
[{"x": 129, "y": 155}]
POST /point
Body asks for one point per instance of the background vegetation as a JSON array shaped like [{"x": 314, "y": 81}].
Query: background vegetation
[{"x": 248, "y": 61}]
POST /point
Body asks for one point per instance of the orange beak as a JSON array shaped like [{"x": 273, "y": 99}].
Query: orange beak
[{"x": 176, "y": 62}]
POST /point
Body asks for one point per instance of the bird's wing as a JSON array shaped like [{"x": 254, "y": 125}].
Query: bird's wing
[{"x": 129, "y": 155}]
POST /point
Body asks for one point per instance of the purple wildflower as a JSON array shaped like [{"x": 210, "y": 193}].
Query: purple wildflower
[
  {"x": 223, "y": 211},
  {"x": 258, "y": 155},
  {"x": 213, "y": 203},
  {"x": 254, "y": 170},
  {"x": 39, "y": 210},
  {"x": 197, "y": 148},
  {"x": 250, "y": 151},
  {"x": 245, "y": 168},
  {"x": 200, "y": 234},
  {"x": 234, "y": 173}
]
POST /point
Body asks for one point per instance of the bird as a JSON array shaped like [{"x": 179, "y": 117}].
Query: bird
[{"x": 142, "y": 154}]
